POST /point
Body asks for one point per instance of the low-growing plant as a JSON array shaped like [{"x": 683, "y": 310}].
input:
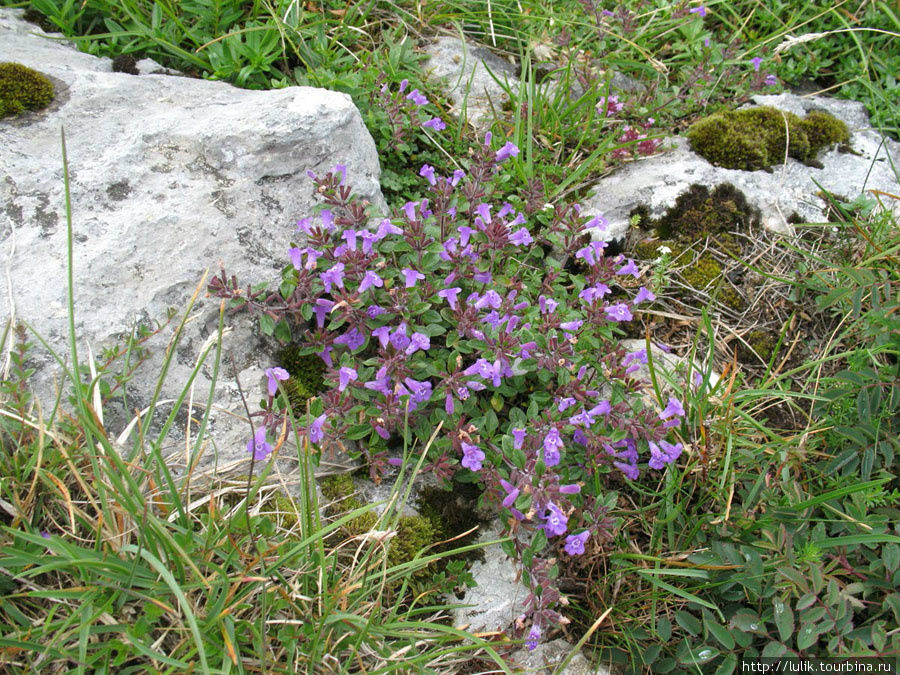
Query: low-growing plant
[{"x": 454, "y": 313}]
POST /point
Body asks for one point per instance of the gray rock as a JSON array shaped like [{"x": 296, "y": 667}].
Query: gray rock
[
  {"x": 473, "y": 77},
  {"x": 548, "y": 656},
  {"x": 169, "y": 177},
  {"x": 791, "y": 188}
]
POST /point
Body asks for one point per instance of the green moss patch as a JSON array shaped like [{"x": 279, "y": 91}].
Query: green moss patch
[
  {"x": 307, "y": 375},
  {"x": 754, "y": 139},
  {"x": 22, "y": 89}
]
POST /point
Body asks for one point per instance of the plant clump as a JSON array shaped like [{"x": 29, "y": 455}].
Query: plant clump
[
  {"x": 699, "y": 212},
  {"x": 755, "y": 138},
  {"x": 307, "y": 375},
  {"x": 760, "y": 344},
  {"x": 22, "y": 88}
]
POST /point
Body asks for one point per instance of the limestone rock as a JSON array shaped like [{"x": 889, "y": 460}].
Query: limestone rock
[
  {"x": 469, "y": 72},
  {"x": 790, "y": 189},
  {"x": 169, "y": 177},
  {"x": 547, "y": 657}
]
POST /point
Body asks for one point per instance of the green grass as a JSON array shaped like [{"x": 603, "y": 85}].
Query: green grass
[{"x": 768, "y": 538}]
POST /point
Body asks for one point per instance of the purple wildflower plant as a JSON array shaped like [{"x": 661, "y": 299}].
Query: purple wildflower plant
[{"x": 447, "y": 311}]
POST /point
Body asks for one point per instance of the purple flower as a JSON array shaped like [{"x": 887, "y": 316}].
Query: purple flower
[
  {"x": 482, "y": 277},
  {"x": 458, "y": 175},
  {"x": 472, "y": 457},
  {"x": 642, "y": 295},
  {"x": 575, "y": 543},
  {"x": 370, "y": 280},
  {"x": 374, "y": 310},
  {"x": 420, "y": 391},
  {"x": 489, "y": 299},
  {"x": 435, "y": 123},
  {"x": 662, "y": 454},
  {"x": 416, "y": 97},
  {"x": 640, "y": 356},
  {"x": 333, "y": 276},
  {"x": 756, "y": 61},
  {"x": 518, "y": 438},
  {"x": 352, "y": 338},
  {"x": 305, "y": 225},
  {"x": 552, "y": 445},
  {"x": 630, "y": 470},
  {"x": 416, "y": 342},
  {"x": 275, "y": 374},
  {"x": 383, "y": 333},
  {"x": 571, "y": 325},
  {"x": 296, "y": 255},
  {"x": 327, "y": 219},
  {"x": 258, "y": 445},
  {"x": 507, "y": 151},
  {"x": 381, "y": 383},
  {"x": 346, "y": 375},
  {"x": 398, "y": 338},
  {"x": 547, "y": 305},
  {"x": 409, "y": 208},
  {"x": 672, "y": 409},
  {"x": 449, "y": 294},
  {"x": 349, "y": 236},
  {"x": 325, "y": 355},
  {"x": 629, "y": 268},
  {"x": 385, "y": 228},
  {"x": 565, "y": 403},
  {"x": 555, "y": 521},
  {"x": 618, "y": 312},
  {"x": 571, "y": 489},
  {"x": 512, "y": 492},
  {"x": 484, "y": 212},
  {"x": 411, "y": 277},
  {"x": 701, "y": 10},
  {"x": 315, "y": 429},
  {"x": 771, "y": 80},
  {"x": 533, "y": 636},
  {"x": 427, "y": 172},
  {"x": 520, "y": 237},
  {"x": 368, "y": 238}
]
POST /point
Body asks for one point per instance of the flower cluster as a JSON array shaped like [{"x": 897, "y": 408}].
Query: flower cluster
[{"x": 458, "y": 310}]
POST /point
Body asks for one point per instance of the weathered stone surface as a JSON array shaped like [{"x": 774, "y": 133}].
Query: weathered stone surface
[
  {"x": 471, "y": 74},
  {"x": 789, "y": 189},
  {"x": 548, "y": 656},
  {"x": 169, "y": 176}
]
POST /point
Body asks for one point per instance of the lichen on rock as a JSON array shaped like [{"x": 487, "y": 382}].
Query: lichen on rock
[
  {"x": 22, "y": 88},
  {"x": 754, "y": 139}
]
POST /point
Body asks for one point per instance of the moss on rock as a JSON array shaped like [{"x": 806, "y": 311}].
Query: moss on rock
[
  {"x": 754, "y": 139},
  {"x": 307, "y": 375},
  {"x": 699, "y": 212},
  {"x": 22, "y": 88}
]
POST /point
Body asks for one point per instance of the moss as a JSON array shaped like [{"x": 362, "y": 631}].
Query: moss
[
  {"x": 699, "y": 212},
  {"x": 307, "y": 375},
  {"x": 731, "y": 298},
  {"x": 762, "y": 346},
  {"x": 703, "y": 272},
  {"x": 23, "y": 89},
  {"x": 755, "y": 138}
]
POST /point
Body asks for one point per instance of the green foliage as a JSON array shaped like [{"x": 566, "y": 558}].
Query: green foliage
[
  {"x": 699, "y": 213},
  {"x": 755, "y": 138},
  {"x": 22, "y": 88}
]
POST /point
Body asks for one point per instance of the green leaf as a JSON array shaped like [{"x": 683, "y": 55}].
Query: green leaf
[
  {"x": 697, "y": 655},
  {"x": 747, "y": 621},
  {"x": 717, "y": 630},
  {"x": 689, "y": 622},
  {"x": 784, "y": 618},
  {"x": 359, "y": 431},
  {"x": 806, "y": 600},
  {"x": 807, "y": 637},
  {"x": 774, "y": 649},
  {"x": 728, "y": 665},
  {"x": 283, "y": 332},
  {"x": 664, "y": 628},
  {"x": 266, "y": 324}
]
